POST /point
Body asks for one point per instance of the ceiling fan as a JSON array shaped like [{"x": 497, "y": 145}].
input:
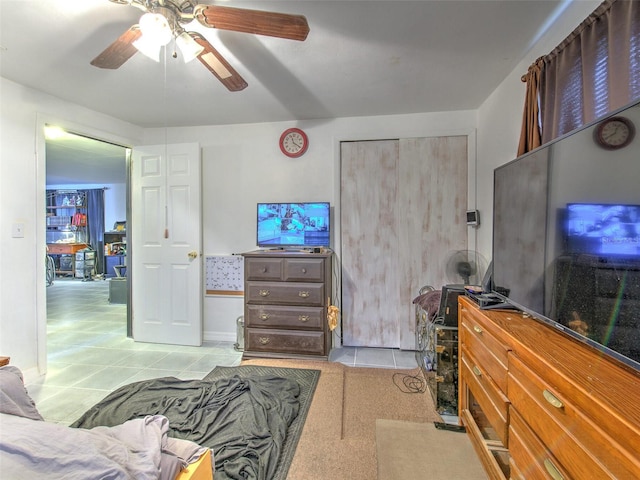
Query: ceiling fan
[{"x": 165, "y": 20}]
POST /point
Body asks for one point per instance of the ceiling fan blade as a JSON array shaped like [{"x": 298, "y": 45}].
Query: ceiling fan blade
[
  {"x": 216, "y": 64},
  {"x": 283, "y": 25},
  {"x": 119, "y": 51}
]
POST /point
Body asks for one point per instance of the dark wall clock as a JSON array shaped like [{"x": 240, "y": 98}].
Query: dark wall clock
[{"x": 614, "y": 133}]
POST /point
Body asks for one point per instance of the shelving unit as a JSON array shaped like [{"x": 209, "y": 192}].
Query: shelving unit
[{"x": 66, "y": 217}]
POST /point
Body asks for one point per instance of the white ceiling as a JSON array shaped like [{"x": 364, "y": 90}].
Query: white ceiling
[
  {"x": 78, "y": 160},
  {"x": 361, "y": 58}
]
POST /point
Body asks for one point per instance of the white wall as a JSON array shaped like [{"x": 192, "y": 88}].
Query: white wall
[
  {"x": 243, "y": 165},
  {"x": 500, "y": 116},
  {"x": 23, "y": 113}
]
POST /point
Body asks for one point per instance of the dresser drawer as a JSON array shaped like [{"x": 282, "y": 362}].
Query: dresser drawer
[
  {"x": 284, "y": 341},
  {"x": 276, "y": 316},
  {"x": 530, "y": 460},
  {"x": 578, "y": 442},
  {"x": 492, "y": 401},
  {"x": 285, "y": 293},
  {"x": 488, "y": 351},
  {"x": 264, "y": 268},
  {"x": 304, "y": 269}
]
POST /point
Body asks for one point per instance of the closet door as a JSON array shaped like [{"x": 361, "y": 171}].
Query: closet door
[
  {"x": 368, "y": 213},
  {"x": 403, "y": 211}
]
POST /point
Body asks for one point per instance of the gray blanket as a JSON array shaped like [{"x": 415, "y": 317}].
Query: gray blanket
[
  {"x": 139, "y": 449},
  {"x": 32, "y": 448},
  {"x": 242, "y": 420}
]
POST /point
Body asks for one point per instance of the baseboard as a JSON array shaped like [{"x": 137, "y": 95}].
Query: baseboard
[
  {"x": 31, "y": 375},
  {"x": 213, "y": 336}
]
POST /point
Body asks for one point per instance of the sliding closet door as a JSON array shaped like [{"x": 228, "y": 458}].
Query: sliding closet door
[
  {"x": 368, "y": 213},
  {"x": 403, "y": 210},
  {"x": 432, "y": 220}
]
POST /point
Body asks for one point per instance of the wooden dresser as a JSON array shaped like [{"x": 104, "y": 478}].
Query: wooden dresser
[
  {"x": 539, "y": 404},
  {"x": 287, "y": 295}
]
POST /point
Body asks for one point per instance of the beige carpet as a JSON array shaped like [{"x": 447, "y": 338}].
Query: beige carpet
[
  {"x": 339, "y": 437},
  {"x": 408, "y": 450}
]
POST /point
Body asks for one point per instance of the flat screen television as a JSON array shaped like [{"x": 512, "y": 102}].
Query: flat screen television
[
  {"x": 566, "y": 239},
  {"x": 293, "y": 225}
]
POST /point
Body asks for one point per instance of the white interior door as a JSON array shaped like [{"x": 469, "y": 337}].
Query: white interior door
[{"x": 166, "y": 262}]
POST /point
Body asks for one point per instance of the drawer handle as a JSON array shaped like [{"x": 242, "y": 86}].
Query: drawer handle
[
  {"x": 552, "y": 470},
  {"x": 304, "y": 270},
  {"x": 303, "y": 318},
  {"x": 263, "y": 340},
  {"x": 552, "y": 399},
  {"x": 477, "y": 329},
  {"x": 303, "y": 294},
  {"x": 264, "y": 270},
  {"x": 477, "y": 371},
  {"x": 264, "y": 316},
  {"x": 264, "y": 293}
]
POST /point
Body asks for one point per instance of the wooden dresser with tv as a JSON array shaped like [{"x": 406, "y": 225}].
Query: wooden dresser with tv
[
  {"x": 539, "y": 404},
  {"x": 287, "y": 295}
]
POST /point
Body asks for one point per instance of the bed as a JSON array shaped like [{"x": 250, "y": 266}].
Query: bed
[
  {"x": 140, "y": 448},
  {"x": 239, "y": 422}
]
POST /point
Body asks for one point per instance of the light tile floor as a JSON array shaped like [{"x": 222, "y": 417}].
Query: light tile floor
[{"x": 89, "y": 354}]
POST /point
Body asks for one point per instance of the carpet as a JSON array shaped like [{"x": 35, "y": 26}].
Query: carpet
[
  {"x": 419, "y": 450},
  {"x": 306, "y": 378},
  {"x": 339, "y": 437}
]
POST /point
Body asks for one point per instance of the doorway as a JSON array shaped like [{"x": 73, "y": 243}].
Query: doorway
[{"x": 87, "y": 184}]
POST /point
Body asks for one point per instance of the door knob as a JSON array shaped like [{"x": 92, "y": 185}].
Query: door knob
[{"x": 192, "y": 255}]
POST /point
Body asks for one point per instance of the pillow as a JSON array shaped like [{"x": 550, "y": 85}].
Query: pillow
[
  {"x": 430, "y": 302},
  {"x": 14, "y": 398}
]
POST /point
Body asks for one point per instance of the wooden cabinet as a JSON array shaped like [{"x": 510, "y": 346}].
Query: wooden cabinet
[
  {"x": 286, "y": 299},
  {"x": 539, "y": 404}
]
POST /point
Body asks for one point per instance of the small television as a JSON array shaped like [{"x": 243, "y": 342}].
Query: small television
[
  {"x": 605, "y": 231},
  {"x": 293, "y": 225}
]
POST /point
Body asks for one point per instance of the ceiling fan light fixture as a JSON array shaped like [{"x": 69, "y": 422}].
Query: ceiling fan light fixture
[
  {"x": 155, "y": 27},
  {"x": 189, "y": 48},
  {"x": 148, "y": 48}
]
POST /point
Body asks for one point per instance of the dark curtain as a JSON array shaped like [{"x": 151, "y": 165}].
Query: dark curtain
[
  {"x": 594, "y": 71},
  {"x": 530, "y": 135},
  {"x": 95, "y": 224}
]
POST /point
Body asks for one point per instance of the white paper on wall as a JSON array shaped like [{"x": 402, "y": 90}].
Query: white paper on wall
[{"x": 224, "y": 274}]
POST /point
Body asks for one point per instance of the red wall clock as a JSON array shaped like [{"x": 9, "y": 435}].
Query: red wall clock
[{"x": 294, "y": 142}]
